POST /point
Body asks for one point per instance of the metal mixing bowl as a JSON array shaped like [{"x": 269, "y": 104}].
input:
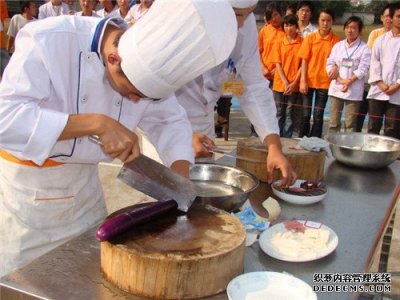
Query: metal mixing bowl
[
  {"x": 364, "y": 150},
  {"x": 222, "y": 186}
]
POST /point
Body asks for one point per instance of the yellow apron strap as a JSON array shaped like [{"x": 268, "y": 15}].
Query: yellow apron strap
[{"x": 48, "y": 163}]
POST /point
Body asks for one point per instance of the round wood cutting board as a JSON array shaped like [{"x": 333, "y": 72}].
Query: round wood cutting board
[{"x": 180, "y": 256}]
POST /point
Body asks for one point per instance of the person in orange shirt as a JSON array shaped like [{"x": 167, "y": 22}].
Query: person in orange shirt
[
  {"x": 287, "y": 75},
  {"x": 4, "y": 56},
  {"x": 269, "y": 35},
  {"x": 314, "y": 80}
]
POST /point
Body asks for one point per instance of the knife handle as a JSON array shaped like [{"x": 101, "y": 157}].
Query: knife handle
[{"x": 125, "y": 221}]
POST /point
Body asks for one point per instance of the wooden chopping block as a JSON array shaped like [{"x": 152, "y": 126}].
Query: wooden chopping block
[
  {"x": 308, "y": 165},
  {"x": 177, "y": 257}
]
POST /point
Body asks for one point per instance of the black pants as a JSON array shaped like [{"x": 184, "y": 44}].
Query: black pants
[
  {"x": 362, "y": 112},
  {"x": 383, "y": 110},
  {"x": 321, "y": 98}
]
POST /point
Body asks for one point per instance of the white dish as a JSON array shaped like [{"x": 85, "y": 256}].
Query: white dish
[
  {"x": 295, "y": 199},
  {"x": 268, "y": 285},
  {"x": 272, "y": 250}
]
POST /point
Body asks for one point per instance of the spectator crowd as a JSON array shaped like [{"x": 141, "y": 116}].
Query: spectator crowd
[{"x": 308, "y": 65}]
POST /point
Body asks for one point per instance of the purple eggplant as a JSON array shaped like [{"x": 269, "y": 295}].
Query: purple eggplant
[{"x": 121, "y": 222}]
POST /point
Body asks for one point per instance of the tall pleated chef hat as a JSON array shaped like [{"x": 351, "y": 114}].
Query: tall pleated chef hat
[
  {"x": 242, "y": 3},
  {"x": 175, "y": 42}
]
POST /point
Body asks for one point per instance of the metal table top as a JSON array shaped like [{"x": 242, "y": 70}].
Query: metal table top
[{"x": 358, "y": 208}]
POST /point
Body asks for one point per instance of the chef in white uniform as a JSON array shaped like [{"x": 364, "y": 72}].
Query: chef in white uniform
[
  {"x": 200, "y": 95},
  {"x": 49, "y": 186}
]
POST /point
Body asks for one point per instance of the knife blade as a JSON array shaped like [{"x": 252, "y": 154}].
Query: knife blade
[
  {"x": 220, "y": 151},
  {"x": 158, "y": 181}
]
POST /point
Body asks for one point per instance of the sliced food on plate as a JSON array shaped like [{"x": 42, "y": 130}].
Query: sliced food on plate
[
  {"x": 302, "y": 192},
  {"x": 298, "y": 240}
]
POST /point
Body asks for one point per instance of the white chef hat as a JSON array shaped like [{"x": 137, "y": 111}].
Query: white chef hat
[
  {"x": 175, "y": 42},
  {"x": 242, "y": 3}
]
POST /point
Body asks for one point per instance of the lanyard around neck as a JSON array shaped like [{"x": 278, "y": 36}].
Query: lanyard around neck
[{"x": 359, "y": 43}]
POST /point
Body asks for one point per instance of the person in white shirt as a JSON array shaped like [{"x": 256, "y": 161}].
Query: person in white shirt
[
  {"x": 28, "y": 13},
  {"x": 139, "y": 10},
  {"x": 123, "y": 10},
  {"x": 387, "y": 25},
  {"x": 349, "y": 63},
  {"x": 384, "y": 77},
  {"x": 53, "y": 8},
  {"x": 304, "y": 13},
  {"x": 109, "y": 8},
  {"x": 49, "y": 185},
  {"x": 199, "y": 96},
  {"x": 87, "y": 8}
]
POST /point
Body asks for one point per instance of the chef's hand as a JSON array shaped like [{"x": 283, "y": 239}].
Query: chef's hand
[
  {"x": 276, "y": 160},
  {"x": 202, "y": 144},
  {"x": 118, "y": 141}
]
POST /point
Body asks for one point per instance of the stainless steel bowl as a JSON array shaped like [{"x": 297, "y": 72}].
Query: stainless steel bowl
[
  {"x": 364, "y": 150},
  {"x": 222, "y": 186}
]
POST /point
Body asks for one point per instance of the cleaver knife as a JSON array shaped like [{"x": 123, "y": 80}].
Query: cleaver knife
[{"x": 158, "y": 181}]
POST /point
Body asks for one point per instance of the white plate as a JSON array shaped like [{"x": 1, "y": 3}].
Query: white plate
[
  {"x": 294, "y": 199},
  {"x": 270, "y": 249},
  {"x": 269, "y": 285}
]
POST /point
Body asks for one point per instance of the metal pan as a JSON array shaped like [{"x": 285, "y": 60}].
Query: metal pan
[{"x": 222, "y": 186}]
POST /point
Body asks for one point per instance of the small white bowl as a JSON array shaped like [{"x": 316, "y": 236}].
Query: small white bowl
[
  {"x": 269, "y": 285},
  {"x": 297, "y": 199}
]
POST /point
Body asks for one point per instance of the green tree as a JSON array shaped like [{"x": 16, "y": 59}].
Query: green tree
[{"x": 377, "y": 6}]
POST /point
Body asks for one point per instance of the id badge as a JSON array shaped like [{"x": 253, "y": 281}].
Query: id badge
[
  {"x": 347, "y": 62},
  {"x": 232, "y": 87}
]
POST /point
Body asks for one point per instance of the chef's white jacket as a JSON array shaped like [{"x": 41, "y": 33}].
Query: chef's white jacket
[
  {"x": 385, "y": 66},
  {"x": 199, "y": 96},
  {"x": 54, "y": 74}
]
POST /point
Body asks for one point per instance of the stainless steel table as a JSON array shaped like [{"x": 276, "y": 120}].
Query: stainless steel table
[{"x": 358, "y": 208}]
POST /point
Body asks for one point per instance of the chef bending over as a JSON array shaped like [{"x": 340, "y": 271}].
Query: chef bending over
[
  {"x": 242, "y": 71},
  {"x": 105, "y": 85}
]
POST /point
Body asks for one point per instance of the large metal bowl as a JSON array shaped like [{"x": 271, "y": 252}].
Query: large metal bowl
[
  {"x": 222, "y": 186},
  {"x": 364, "y": 150}
]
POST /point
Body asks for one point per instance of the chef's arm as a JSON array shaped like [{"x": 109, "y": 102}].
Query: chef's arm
[
  {"x": 117, "y": 140},
  {"x": 276, "y": 160},
  {"x": 202, "y": 145}
]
